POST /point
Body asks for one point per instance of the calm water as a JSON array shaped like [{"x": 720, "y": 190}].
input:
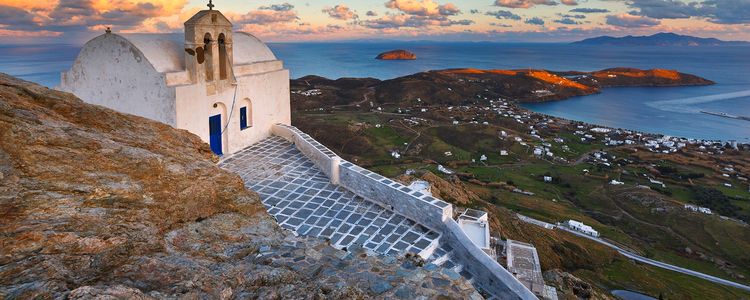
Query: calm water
[{"x": 671, "y": 111}]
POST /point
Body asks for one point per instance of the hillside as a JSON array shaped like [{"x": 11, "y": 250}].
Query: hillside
[
  {"x": 659, "y": 39},
  {"x": 450, "y": 87},
  {"x": 99, "y": 204},
  {"x": 459, "y": 122}
]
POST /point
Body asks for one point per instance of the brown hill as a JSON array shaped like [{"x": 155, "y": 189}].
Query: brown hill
[
  {"x": 464, "y": 86},
  {"x": 99, "y": 204}
]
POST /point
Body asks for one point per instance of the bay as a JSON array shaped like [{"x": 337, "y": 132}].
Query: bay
[{"x": 670, "y": 111}]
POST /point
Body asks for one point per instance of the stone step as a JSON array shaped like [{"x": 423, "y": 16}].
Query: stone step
[
  {"x": 458, "y": 268},
  {"x": 441, "y": 260}
]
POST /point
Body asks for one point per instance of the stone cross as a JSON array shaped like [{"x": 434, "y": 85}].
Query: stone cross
[{"x": 210, "y": 5}]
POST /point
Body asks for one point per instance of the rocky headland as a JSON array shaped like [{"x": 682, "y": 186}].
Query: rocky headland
[
  {"x": 397, "y": 55},
  {"x": 450, "y": 86},
  {"x": 100, "y": 204}
]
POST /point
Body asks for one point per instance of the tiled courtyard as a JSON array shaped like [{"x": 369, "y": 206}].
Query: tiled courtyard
[{"x": 302, "y": 199}]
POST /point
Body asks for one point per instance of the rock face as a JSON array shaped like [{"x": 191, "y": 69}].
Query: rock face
[
  {"x": 572, "y": 287},
  {"x": 95, "y": 203},
  {"x": 397, "y": 55}
]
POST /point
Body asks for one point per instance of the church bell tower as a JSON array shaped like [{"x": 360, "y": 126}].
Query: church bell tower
[{"x": 208, "y": 50}]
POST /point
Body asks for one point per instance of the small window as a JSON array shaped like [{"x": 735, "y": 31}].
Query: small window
[{"x": 243, "y": 118}]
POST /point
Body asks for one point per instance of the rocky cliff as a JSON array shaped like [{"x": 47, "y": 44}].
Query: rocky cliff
[
  {"x": 397, "y": 55},
  {"x": 99, "y": 204}
]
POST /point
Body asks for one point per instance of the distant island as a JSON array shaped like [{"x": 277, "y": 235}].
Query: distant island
[
  {"x": 397, "y": 55},
  {"x": 659, "y": 39}
]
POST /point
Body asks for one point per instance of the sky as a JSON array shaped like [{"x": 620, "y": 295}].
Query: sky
[{"x": 76, "y": 21}]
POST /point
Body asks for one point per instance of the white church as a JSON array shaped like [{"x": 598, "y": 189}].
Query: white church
[{"x": 226, "y": 87}]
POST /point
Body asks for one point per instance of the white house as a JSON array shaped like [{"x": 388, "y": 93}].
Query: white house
[
  {"x": 226, "y": 87},
  {"x": 704, "y": 210},
  {"x": 583, "y": 228}
]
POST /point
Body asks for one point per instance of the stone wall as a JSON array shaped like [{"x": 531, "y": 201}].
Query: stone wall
[
  {"x": 429, "y": 211},
  {"x": 425, "y": 209},
  {"x": 488, "y": 273},
  {"x": 321, "y": 156}
]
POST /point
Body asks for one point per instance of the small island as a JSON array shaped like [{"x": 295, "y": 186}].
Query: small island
[{"x": 397, "y": 55}]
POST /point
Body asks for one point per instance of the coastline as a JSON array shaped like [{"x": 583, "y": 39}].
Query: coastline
[
  {"x": 452, "y": 87},
  {"x": 740, "y": 142},
  {"x": 653, "y": 134}
]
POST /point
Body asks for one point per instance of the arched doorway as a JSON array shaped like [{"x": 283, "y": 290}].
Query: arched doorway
[{"x": 217, "y": 121}]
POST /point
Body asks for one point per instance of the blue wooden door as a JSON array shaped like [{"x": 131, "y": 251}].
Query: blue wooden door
[{"x": 214, "y": 129}]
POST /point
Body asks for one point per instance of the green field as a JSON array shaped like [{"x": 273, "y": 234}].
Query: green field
[{"x": 651, "y": 222}]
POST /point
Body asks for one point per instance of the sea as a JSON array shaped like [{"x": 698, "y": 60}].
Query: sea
[{"x": 673, "y": 111}]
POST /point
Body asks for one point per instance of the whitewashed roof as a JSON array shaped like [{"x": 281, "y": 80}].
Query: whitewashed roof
[{"x": 166, "y": 51}]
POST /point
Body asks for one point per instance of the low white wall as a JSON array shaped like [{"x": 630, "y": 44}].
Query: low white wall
[
  {"x": 424, "y": 209},
  {"x": 322, "y": 157},
  {"x": 488, "y": 273}
]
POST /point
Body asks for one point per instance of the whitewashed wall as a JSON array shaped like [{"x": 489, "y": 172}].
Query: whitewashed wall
[
  {"x": 109, "y": 69},
  {"x": 268, "y": 92}
]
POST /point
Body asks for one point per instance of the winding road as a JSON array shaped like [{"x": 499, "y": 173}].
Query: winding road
[{"x": 659, "y": 264}]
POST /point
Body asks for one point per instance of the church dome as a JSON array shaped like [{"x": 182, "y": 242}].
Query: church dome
[
  {"x": 166, "y": 51},
  {"x": 249, "y": 49}
]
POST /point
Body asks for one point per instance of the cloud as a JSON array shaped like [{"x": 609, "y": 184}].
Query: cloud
[
  {"x": 535, "y": 21},
  {"x": 371, "y": 13},
  {"x": 589, "y": 10},
  {"x": 664, "y": 9},
  {"x": 523, "y": 3},
  {"x": 423, "y": 7},
  {"x": 631, "y": 21},
  {"x": 727, "y": 11},
  {"x": 403, "y": 20},
  {"x": 572, "y": 16},
  {"x": 569, "y": 2},
  {"x": 449, "y": 9},
  {"x": 340, "y": 12},
  {"x": 501, "y": 25},
  {"x": 12, "y": 18},
  {"x": 417, "y": 14},
  {"x": 503, "y": 14},
  {"x": 277, "y": 13},
  {"x": 567, "y": 21},
  {"x": 74, "y": 16},
  {"x": 278, "y": 7},
  {"x": 293, "y": 31},
  {"x": 716, "y": 11}
]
